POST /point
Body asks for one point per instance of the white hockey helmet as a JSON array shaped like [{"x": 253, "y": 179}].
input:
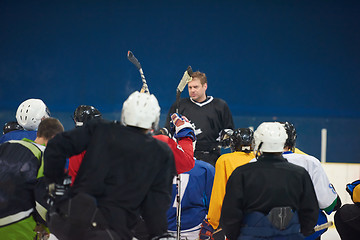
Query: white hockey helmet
[
  {"x": 141, "y": 110},
  {"x": 270, "y": 137},
  {"x": 30, "y": 113}
]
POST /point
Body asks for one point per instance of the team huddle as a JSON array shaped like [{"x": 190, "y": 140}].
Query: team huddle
[{"x": 130, "y": 179}]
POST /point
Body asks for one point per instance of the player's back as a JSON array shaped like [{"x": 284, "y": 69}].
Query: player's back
[
  {"x": 325, "y": 192},
  {"x": 196, "y": 186},
  {"x": 224, "y": 167},
  {"x": 129, "y": 159}
]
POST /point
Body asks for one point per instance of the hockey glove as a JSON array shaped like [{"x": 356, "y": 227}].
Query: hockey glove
[
  {"x": 206, "y": 231},
  {"x": 354, "y": 190},
  {"x": 182, "y": 127},
  {"x": 58, "y": 190}
]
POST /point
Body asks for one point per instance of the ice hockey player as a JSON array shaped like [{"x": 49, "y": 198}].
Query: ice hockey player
[
  {"x": 29, "y": 115},
  {"x": 269, "y": 203},
  {"x": 328, "y": 199},
  {"x": 347, "y": 218},
  {"x": 21, "y": 166},
  {"x": 183, "y": 148},
  {"x": 196, "y": 186},
  {"x": 125, "y": 173},
  {"x": 241, "y": 143},
  {"x": 82, "y": 115},
  {"x": 210, "y": 116},
  {"x": 180, "y": 139}
]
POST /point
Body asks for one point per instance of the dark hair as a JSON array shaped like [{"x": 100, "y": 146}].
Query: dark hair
[
  {"x": 49, "y": 127},
  {"x": 291, "y": 132}
]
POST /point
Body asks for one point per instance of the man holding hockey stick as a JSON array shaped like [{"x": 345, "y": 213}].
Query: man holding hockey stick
[
  {"x": 210, "y": 116},
  {"x": 133, "y": 178},
  {"x": 183, "y": 130}
]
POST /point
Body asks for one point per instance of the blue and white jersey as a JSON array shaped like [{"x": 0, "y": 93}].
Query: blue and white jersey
[
  {"x": 324, "y": 190},
  {"x": 18, "y": 135},
  {"x": 196, "y": 186}
]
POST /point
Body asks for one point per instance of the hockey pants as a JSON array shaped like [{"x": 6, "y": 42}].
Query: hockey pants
[{"x": 280, "y": 224}]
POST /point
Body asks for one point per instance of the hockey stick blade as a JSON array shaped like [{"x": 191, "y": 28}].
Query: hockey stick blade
[
  {"x": 185, "y": 79},
  {"x": 134, "y": 60}
]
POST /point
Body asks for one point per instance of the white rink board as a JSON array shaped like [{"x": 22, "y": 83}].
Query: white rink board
[{"x": 339, "y": 175}]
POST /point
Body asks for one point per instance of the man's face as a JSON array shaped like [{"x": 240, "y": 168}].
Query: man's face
[{"x": 197, "y": 91}]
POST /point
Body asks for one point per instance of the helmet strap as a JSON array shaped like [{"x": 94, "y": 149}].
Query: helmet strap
[{"x": 257, "y": 154}]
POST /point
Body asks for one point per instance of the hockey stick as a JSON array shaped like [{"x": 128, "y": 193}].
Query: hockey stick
[
  {"x": 184, "y": 80},
  {"x": 323, "y": 226},
  {"x": 137, "y": 64}
]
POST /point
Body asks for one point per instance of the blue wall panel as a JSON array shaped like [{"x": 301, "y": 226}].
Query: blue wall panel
[{"x": 288, "y": 59}]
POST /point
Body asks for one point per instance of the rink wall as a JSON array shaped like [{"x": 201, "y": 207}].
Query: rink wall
[{"x": 341, "y": 174}]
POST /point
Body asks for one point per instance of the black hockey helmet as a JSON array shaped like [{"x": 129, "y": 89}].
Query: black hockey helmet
[
  {"x": 242, "y": 140},
  {"x": 291, "y": 132},
  {"x": 225, "y": 138},
  {"x": 11, "y": 126},
  {"x": 84, "y": 113}
]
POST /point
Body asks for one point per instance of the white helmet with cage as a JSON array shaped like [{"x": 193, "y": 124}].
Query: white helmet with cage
[
  {"x": 141, "y": 110},
  {"x": 30, "y": 113},
  {"x": 270, "y": 137}
]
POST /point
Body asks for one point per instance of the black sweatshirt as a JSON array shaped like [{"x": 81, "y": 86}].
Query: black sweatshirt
[
  {"x": 267, "y": 183},
  {"x": 128, "y": 172}
]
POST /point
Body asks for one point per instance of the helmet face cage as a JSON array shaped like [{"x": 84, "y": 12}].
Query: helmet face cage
[
  {"x": 84, "y": 113},
  {"x": 243, "y": 140},
  {"x": 291, "y": 132}
]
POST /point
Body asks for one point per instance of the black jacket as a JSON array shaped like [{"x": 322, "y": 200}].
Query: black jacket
[
  {"x": 128, "y": 172},
  {"x": 260, "y": 186}
]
